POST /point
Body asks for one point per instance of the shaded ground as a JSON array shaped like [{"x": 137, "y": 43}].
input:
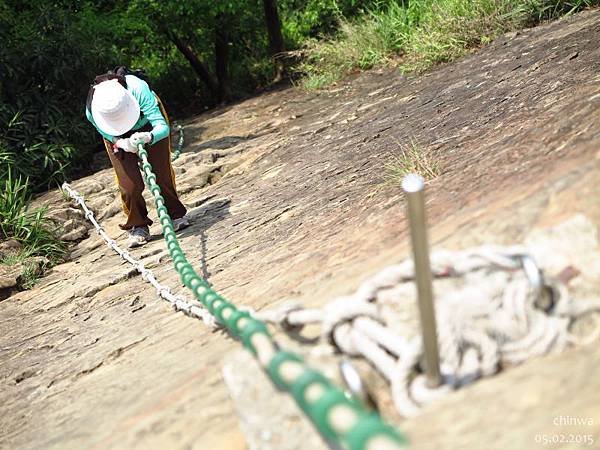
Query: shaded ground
[{"x": 290, "y": 199}]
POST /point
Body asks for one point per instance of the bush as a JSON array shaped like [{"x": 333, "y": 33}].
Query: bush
[
  {"x": 28, "y": 148},
  {"x": 29, "y": 227},
  {"x": 358, "y": 45},
  {"x": 315, "y": 19},
  {"x": 41, "y": 102},
  {"x": 422, "y": 32}
]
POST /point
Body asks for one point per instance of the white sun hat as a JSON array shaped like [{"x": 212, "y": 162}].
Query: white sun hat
[{"x": 114, "y": 110}]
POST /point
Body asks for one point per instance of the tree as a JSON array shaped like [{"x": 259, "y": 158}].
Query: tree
[
  {"x": 276, "y": 46},
  {"x": 49, "y": 55},
  {"x": 222, "y": 57},
  {"x": 191, "y": 56}
]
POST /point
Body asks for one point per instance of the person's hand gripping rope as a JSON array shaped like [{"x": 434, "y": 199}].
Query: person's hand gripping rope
[{"x": 131, "y": 144}]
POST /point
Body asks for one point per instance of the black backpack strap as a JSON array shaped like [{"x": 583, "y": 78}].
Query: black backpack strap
[{"x": 110, "y": 75}]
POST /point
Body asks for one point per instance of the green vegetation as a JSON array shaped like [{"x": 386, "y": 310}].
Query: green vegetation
[
  {"x": 421, "y": 33},
  {"x": 31, "y": 274},
  {"x": 28, "y": 227},
  {"x": 46, "y": 62},
  {"x": 412, "y": 158}
]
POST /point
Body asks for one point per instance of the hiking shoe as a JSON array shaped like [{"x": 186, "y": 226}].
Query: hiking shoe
[
  {"x": 138, "y": 236},
  {"x": 181, "y": 223}
]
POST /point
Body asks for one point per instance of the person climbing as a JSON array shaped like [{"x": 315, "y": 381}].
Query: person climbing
[{"x": 126, "y": 112}]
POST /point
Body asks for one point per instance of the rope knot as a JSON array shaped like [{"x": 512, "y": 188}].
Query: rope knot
[
  {"x": 281, "y": 315},
  {"x": 338, "y": 317}
]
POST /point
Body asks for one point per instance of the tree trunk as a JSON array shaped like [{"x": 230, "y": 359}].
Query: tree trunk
[
  {"x": 222, "y": 60},
  {"x": 273, "y": 24},
  {"x": 198, "y": 66}
]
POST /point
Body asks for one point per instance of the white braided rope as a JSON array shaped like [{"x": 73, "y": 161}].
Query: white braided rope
[
  {"x": 178, "y": 302},
  {"x": 490, "y": 320}
]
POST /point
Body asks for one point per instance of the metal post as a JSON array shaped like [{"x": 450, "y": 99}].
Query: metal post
[{"x": 414, "y": 186}]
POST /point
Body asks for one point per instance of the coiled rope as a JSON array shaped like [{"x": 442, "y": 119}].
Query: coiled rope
[
  {"x": 340, "y": 418},
  {"x": 495, "y": 308}
]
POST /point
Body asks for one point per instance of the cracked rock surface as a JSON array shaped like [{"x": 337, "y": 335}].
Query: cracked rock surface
[{"x": 290, "y": 199}]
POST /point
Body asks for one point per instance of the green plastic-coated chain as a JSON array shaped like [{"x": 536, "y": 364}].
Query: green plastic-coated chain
[
  {"x": 310, "y": 377},
  {"x": 362, "y": 434},
  {"x": 179, "y": 145},
  {"x": 321, "y": 410},
  {"x": 364, "y": 430},
  {"x": 275, "y": 364}
]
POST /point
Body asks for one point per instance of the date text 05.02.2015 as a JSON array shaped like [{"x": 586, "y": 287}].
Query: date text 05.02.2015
[{"x": 564, "y": 438}]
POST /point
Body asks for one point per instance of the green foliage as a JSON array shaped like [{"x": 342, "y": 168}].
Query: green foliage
[
  {"x": 303, "y": 19},
  {"x": 26, "y": 146},
  {"x": 197, "y": 24},
  {"x": 46, "y": 61},
  {"x": 358, "y": 45},
  {"x": 535, "y": 11},
  {"x": 29, "y": 227},
  {"x": 422, "y": 32},
  {"x": 31, "y": 274}
]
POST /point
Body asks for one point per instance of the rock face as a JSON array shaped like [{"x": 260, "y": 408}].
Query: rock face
[
  {"x": 272, "y": 423},
  {"x": 290, "y": 199},
  {"x": 9, "y": 247},
  {"x": 70, "y": 222},
  {"x": 9, "y": 273},
  {"x": 18, "y": 276},
  {"x": 9, "y": 276}
]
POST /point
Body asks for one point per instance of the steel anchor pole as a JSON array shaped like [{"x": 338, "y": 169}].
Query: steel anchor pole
[{"x": 414, "y": 187}]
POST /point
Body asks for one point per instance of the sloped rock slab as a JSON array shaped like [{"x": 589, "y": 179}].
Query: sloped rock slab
[{"x": 270, "y": 419}]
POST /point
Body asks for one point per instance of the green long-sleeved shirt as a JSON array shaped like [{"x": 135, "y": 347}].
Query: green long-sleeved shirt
[{"x": 148, "y": 106}]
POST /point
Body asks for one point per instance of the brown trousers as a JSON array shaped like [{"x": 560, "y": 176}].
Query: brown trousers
[{"x": 131, "y": 183}]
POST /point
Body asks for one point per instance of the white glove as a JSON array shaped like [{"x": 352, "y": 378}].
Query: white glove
[
  {"x": 140, "y": 138},
  {"x": 125, "y": 145}
]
